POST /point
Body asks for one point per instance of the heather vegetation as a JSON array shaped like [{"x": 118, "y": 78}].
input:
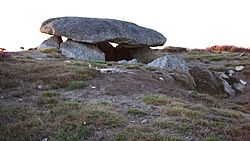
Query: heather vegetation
[{"x": 229, "y": 48}]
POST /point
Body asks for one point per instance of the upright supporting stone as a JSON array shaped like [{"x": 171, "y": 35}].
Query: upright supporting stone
[
  {"x": 83, "y": 51},
  {"x": 51, "y": 43}
]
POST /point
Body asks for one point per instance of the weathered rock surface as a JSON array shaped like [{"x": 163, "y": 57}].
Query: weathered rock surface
[
  {"x": 178, "y": 66},
  {"x": 171, "y": 62},
  {"x": 232, "y": 84},
  {"x": 72, "y": 49},
  {"x": 206, "y": 81},
  {"x": 93, "y": 30},
  {"x": 52, "y": 42},
  {"x": 227, "y": 88}
]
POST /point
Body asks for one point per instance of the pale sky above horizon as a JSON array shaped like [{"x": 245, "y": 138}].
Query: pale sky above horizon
[{"x": 186, "y": 23}]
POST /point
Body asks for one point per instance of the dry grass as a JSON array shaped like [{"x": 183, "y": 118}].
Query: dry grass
[
  {"x": 212, "y": 138},
  {"x": 155, "y": 99},
  {"x": 137, "y": 112},
  {"x": 171, "y": 124},
  {"x": 50, "y": 50},
  {"x": 47, "y": 112},
  {"x": 216, "y": 59},
  {"x": 57, "y": 119},
  {"x": 30, "y": 74},
  {"x": 135, "y": 135},
  {"x": 183, "y": 112},
  {"x": 227, "y": 112},
  {"x": 72, "y": 85}
]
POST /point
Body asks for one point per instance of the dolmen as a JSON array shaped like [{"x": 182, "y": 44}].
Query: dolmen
[{"x": 90, "y": 38}]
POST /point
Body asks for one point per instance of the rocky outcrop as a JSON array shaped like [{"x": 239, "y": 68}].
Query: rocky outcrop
[
  {"x": 232, "y": 84},
  {"x": 76, "y": 50},
  {"x": 52, "y": 42},
  {"x": 217, "y": 84},
  {"x": 206, "y": 81},
  {"x": 93, "y": 30},
  {"x": 178, "y": 67}
]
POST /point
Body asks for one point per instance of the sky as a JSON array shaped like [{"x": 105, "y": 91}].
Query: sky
[{"x": 185, "y": 23}]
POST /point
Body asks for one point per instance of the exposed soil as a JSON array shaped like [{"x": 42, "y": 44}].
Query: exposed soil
[{"x": 39, "y": 101}]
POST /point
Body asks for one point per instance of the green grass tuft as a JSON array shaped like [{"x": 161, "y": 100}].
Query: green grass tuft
[
  {"x": 212, "y": 138},
  {"x": 149, "y": 68},
  {"x": 227, "y": 112},
  {"x": 81, "y": 133},
  {"x": 216, "y": 58},
  {"x": 137, "y": 112},
  {"x": 76, "y": 85},
  {"x": 134, "y": 135},
  {"x": 154, "y": 99},
  {"x": 166, "y": 123},
  {"x": 50, "y": 94},
  {"x": 181, "y": 111}
]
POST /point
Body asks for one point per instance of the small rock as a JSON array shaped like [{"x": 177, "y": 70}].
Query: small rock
[
  {"x": 20, "y": 99},
  {"x": 40, "y": 87},
  {"x": 224, "y": 76},
  {"x": 230, "y": 73},
  {"x": 239, "y": 68},
  {"x": 161, "y": 79},
  {"x": 242, "y": 54},
  {"x": 67, "y": 62},
  {"x": 45, "y": 139},
  {"x": 133, "y": 61},
  {"x": 144, "y": 121},
  {"x": 111, "y": 70},
  {"x": 243, "y": 82},
  {"x": 92, "y": 87},
  {"x": 239, "y": 87}
]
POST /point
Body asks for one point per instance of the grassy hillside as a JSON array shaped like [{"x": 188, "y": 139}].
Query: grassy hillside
[{"x": 45, "y": 96}]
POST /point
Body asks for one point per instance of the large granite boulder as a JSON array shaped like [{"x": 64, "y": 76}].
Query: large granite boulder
[
  {"x": 76, "y": 50},
  {"x": 93, "y": 30},
  {"x": 53, "y": 42},
  {"x": 171, "y": 62}
]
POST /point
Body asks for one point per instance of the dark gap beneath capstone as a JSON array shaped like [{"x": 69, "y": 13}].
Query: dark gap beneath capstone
[{"x": 114, "y": 53}]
